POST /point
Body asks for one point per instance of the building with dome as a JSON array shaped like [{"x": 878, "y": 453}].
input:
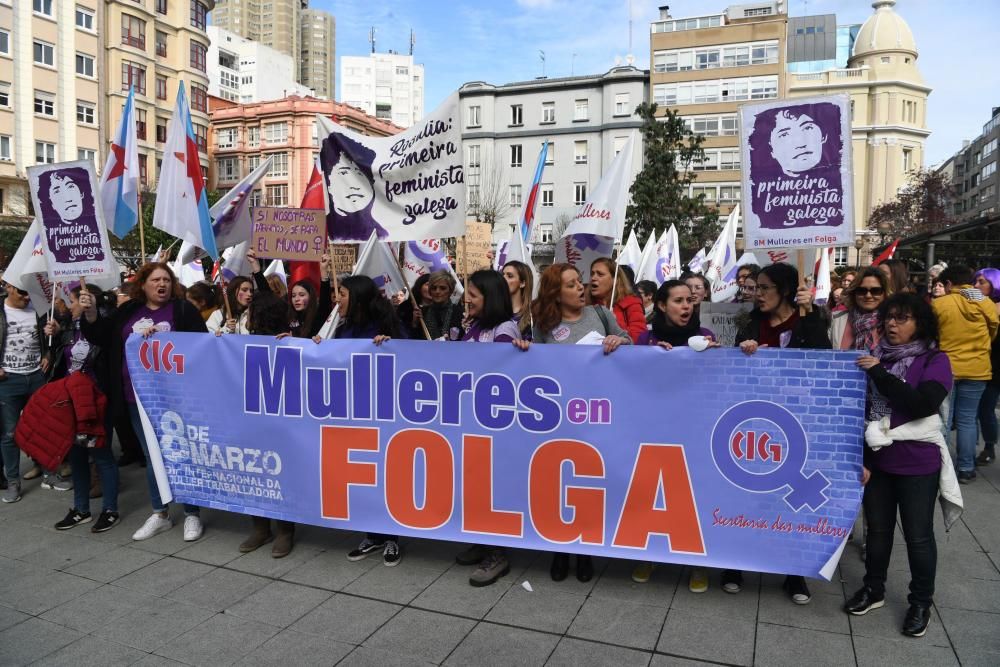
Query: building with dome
[{"x": 888, "y": 108}]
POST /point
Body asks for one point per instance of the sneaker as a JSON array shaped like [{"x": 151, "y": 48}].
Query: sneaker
[
  {"x": 917, "y": 618},
  {"x": 193, "y": 530},
  {"x": 986, "y": 457},
  {"x": 73, "y": 518},
  {"x": 365, "y": 549},
  {"x": 642, "y": 572},
  {"x": 492, "y": 567},
  {"x": 55, "y": 482},
  {"x": 863, "y": 602},
  {"x": 391, "y": 554},
  {"x": 64, "y": 470},
  {"x": 732, "y": 581},
  {"x": 106, "y": 521},
  {"x": 797, "y": 589},
  {"x": 36, "y": 471},
  {"x": 966, "y": 476},
  {"x": 154, "y": 525},
  {"x": 12, "y": 493},
  {"x": 474, "y": 555},
  {"x": 698, "y": 583}
]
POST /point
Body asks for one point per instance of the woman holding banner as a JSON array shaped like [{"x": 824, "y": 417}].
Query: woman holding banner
[
  {"x": 561, "y": 316},
  {"x": 909, "y": 379},
  {"x": 521, "y": 284},
  {"x": 238, "y": 293},
  {"x": 605, "y": 278},
  {"x": 157, "y": 305},
  {"x": 783, "y": 317}
]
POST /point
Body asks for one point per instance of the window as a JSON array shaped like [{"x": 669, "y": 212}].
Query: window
[
  {"x": 989, "y": 170},
  {"x": 43, "y": 7},
  {"x": 548, "y": 112},
  {"x": 886, "y": 60},
  {"x": 161, "y": 87},
  {"x": 907, "y": 159},
  {"x": 580, "y": 152},
  {"x": 277, "y": 195},
  {"x": 722, "y": 90},
  {"x": 86, "y": 154},
  {"x": 161, "y": 132},
  {"x": 198, "y": 14},
  {"x": 45, "y": 53},
  {"x": 85, "y": 113},
  {"x": 515, "y": 196},
  {"x": 228, "y": 168},
  {"x": 199, "y": 97},
  {"x": 989, "y": 148},
  {"x": 720, "y": 125},
  {"x": 516, "y": 155},
  {"x": 140, "y": 123},
  {"x": 143, "y": 173},
  {"x": 840, "y": 256},
  {"x": 134, "y": 75},
  {"x": 619, "y": 144},
  {"x": 199, "y": 56},
  {"x": 253, "y": 161},
  {"x": 622, "y": 104},
  {"x": 84, "y": 19},
  {"x": 688, "y": 24},
  {"x": 226, "y": 138},
  {"x": 161, "y": 7},
  {"x": 516, "y": 114},
  {"x": 475, "y": 116},
  {"x": 45, "y": 153},
  {"x": 579, "y": 193},
  {"x": 133, "y": 31},
  {"x": 5, "y": 151},
  {"x": 201, "y": 137},
  {"x": 279, "y": 168},
  {"x": 546, "y": 233},
  {"x": 4, "y": 94},
  {"x": 161, "y": 44},
  {"x": 710, "y": 162},
  {"x": 548, "y": 196},
  {"x": 253, "y": 136},
  {"x": 4, "y": 42},
  {"x": 475, "y": 155},
  {"x": 729, "y": 159},
  {"x": 45, "y": 103},
  {"x": 729, "y": 193},
  {"x": 402, "y": 71},
  {"x": 581, "y": 110},
  {"x": 550, "y": 154},
  {"x": 276, "y": 133},
  {"x": 85, "y": 65},
  {"x": 256, "y": 198}
]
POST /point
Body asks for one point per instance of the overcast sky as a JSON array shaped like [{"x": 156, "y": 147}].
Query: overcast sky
[{"x": 499, "y": 42}]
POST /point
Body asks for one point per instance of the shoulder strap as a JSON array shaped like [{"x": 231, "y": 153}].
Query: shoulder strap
[{"x": 604, "y": 320}]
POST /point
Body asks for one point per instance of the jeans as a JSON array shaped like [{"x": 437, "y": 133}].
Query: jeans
[
  {"x": 14, "y": 394},
  {"x": 964, "y": 407},
  {"x": 988, "y": 414},
  {"x": 154, "y": 490},
  {"x": 107, "y": 470},
  {"x": 915, "y": 496}
]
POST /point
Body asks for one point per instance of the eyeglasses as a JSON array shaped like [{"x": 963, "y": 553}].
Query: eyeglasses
[
  {"x": 763, "y": 289},
  {"x": 873, "y": 291},
  {"x": 898, "y": 319}
]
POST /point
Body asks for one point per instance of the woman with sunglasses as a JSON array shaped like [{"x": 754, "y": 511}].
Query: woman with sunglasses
[{"x": 858, "y": 327}]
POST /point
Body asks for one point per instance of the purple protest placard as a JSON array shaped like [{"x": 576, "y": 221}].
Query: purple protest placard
[{"x": 797, "y": 175}]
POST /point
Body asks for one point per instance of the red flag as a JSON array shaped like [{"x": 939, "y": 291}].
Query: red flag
[
  {"x": 314, "y": 197},
  {"x": 887, "y": 253}
]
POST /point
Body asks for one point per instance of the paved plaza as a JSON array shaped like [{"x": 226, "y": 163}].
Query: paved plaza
[{"x": 77, "y": 598}]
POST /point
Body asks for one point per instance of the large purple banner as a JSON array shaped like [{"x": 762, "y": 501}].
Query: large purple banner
[{"x": 713, "y": 458}]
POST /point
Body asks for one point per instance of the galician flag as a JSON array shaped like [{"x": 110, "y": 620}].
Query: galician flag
[
  {"x": 181, "y": 200},
  {"x": 528, "y": 214},
  {"x": 120, "y": 179},
  {"x": 231, "y": 214},
  {"x": 722, "y": 257}
]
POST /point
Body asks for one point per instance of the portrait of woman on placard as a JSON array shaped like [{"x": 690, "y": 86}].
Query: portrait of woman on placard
[
  {"x": 66, "y": 201},
  {"x": 795, "y": 154},
  {"x": 347, "y": 166}
]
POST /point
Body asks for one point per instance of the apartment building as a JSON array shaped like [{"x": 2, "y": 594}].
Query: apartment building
[
  {"x": 973, "y": 172},
  {"x": 318, "y": 54},
  {"x": 274, "y": 23},
  {"x": 244, "y": 71},
  {"x": 389, "y": 86}
]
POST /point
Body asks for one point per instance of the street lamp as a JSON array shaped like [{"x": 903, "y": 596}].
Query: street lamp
[
  {"x": 859, "y": 243},
  {"x": 884, "y": 229}
]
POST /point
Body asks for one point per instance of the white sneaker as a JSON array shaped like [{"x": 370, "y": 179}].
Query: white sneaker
[
  {"x": 154, "y": 525},
  {"x": 192, "y": 528}
]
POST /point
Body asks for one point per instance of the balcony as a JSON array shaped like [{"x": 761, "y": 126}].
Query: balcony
[{"x": 833, "y": 76}]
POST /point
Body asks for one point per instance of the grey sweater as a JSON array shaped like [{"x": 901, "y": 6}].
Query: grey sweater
[{"x": 568, "y": 333}]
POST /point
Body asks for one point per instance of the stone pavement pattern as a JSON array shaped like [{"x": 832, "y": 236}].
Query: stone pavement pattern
[{"x": 76, "y": 598}]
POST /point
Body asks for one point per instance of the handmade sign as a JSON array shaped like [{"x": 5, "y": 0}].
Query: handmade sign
[
  {"x": 345, "y": 255},
  {"x": 474, "y": 250},
  {"x": 432, "y": 441},
  {"x": 288, "y": 233},
  {"x": 797, "y": 178}
]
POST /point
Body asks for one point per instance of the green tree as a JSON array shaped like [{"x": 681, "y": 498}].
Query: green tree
[
  {"x": 127, "y": 249},
  {"x": 660, "y": 191}
]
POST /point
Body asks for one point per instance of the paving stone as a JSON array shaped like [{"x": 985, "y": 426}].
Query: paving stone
[
  {"x": 217, "y": 548},
  {"x": 451, "y": 593},
  {"x": 967, "y": 593},
  {"x": 490, "y": 644},
  {"x": 660, "y": 660},
  {"x": 221, "y": 640},
  {"x": 540, "y": 579},
  {"x": 166, "y": 543},
  {"x": 152, "y": 660},
  {"x": 20, "y": 539},
  {"x": 551, "y": 611},
  {"x": 91, "y": 651},
  {"x": 297, "y": 648},
  {"x": 974, "y": 633},
  {"x": 399, "y": 584},
  {"x": 616, "y": 583},
  {"x": 364, "y": 656},
  {"x": 99, "y": 607},
  {"x": 885, "y": 623},
  {"x": 780, "y": 646},
  {"x": 9, "y": 617},
  {"x": 578, "y": 653},
  {"x": 113, "y": 564},
  {"x": 424, "y": 634},
  {"x": 346, "y": 618},
  {"x": 911, "y": 652},
  {"x": 633, "y": 625},
  {"x": 279, "y": 603},
  {"x": 37, "y": 593},
  {"x": 824, "y": 612},
  {"x": 689, "y": 635},
  {"x": 260, "y": 562},
  {"x": 330, "y": 570},
  {"x": 436, "y": 555},
  {"x": 163, "y": 576},
  {"x": 150, "y": 627},
  {"x": 33, "y": 639},
  {"x": 218, "y": 589},
  {"x": 70, "y": 551},
  {"x": 717, "y": 603}
]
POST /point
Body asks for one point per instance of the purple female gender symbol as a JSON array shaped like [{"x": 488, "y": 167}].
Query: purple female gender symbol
[{"x": 436, "y": 259}]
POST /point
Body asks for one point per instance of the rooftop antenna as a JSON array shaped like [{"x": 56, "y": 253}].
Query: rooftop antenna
[
  {"x": 371, "y": 38},
  {"x": 541, "y": 55},
  {"x": 413, "y": 41}
]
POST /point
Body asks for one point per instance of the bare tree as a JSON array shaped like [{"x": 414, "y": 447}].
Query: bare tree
[
  {"x": 560, "y": 224},
  {"x": 489, "y": 189}
]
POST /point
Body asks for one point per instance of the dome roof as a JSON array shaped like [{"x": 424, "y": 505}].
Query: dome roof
[{"x": 885, "y": 30}]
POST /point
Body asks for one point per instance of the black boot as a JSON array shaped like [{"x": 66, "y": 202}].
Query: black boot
[
  {"x": 584, "y": 568},
  {"x": 560, "y": 567},
  {"x": 917, "y": 618}
]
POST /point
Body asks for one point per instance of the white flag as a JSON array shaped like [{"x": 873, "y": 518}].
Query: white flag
[
  {"x": 668, "y": 256},
  {"x": 29, "y": 271},
  {"x": 631, "y": 254},
  {"x": 647, "y": 261},
  {"x": 231, "y": 214},
  {"x": 722, "y": 257},
  {"x": 697, "y": 262},
  {"x": 518, "y": 250},
  {"x": 823, "y": 284},
  {"x": 234, "y": 261},
  {"x": 421, "y": 258},
  {"x": 188, "y": 274},
  {"x": 748, "y": 258},
  {"x": 277, "y": 268}
]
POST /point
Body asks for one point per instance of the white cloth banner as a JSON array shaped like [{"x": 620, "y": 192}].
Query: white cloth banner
[
  {"x": 647, "y": 261},
  {"x": 631, "y": 254},
  {"x": 405, "y": 187},
  {"x": 668, "y": 256}
]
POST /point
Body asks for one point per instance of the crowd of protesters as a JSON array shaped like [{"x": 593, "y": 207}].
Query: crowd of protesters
[{"x": 931, "y": 356}]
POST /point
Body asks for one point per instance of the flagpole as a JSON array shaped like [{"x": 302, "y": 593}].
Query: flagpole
[
  {"x": 413, "y": 299},
  {"x": 142, "y": 235},
  {"x": 465, "y": 272},
  {"x": 52, "y": 307}
]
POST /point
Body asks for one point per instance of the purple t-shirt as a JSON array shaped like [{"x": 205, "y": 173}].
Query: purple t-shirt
[
  {"x": 908, "y": 457},
  {"x": 505, "y": 332},
  {"x": 143, "y": 318}
]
